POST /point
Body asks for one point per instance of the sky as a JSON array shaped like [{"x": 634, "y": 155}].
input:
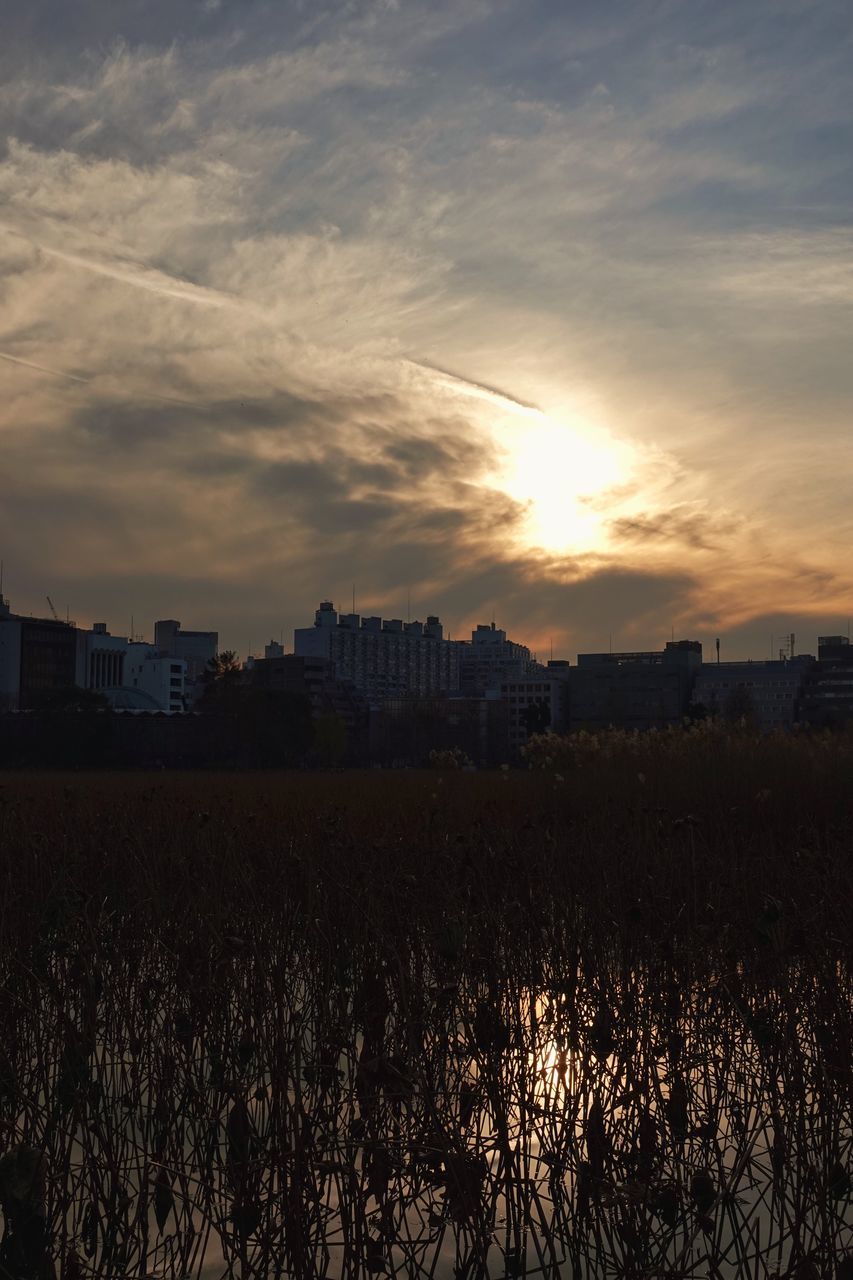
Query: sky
[{"x": 538, "y": 310}]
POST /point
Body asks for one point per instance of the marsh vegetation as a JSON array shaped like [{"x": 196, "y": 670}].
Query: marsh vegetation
[{"x": 588, "y": 1020}]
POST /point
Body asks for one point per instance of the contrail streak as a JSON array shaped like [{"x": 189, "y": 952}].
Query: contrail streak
[
  {"x": 478, "y": 390},
  {"x": 42, "y": 368},
  {"x": 73, "y": 377}
]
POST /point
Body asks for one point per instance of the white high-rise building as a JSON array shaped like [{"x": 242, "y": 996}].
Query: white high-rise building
[{"x": 382, "y": 658}]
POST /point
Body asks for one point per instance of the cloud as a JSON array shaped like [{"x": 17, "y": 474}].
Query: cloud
[{"x": 241, "y": 248}]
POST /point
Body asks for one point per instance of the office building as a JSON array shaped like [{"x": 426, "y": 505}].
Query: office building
[
  {"x": 767, "y": 693},
  {"x": 196, "y": 648},
  {"x": 38, "y": 657},
  {"x": 642, "y": 690}
]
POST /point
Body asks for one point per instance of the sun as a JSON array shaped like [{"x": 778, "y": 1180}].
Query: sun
[{"x": 553, "y": 468}]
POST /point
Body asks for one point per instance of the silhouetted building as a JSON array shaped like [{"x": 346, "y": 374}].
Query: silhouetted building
[
  {"x": 403, "y": 731},
  {"x": 768, "y": 693},
  {"x": 195, "y": 647},
  {"x": 642, "y": 690},
  {"x": 537, "y": 703},
  {"x": 120, "y": 668},
  {"x": 490, "y": 661},
  {"x": 826, "y": 700},
  {"x": 38, "y": 656},
  {"x": 382, "y": 659}
]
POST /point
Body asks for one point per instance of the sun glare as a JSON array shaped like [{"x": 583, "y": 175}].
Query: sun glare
[{"x": 552, "y": 467}]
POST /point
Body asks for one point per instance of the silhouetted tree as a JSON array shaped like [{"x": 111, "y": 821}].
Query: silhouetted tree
[
  {"x": 222, "y": 672},
  {"x": 70, "y": 698},
  {"x": 739, "y": 707},
  {"x": 537, "y": 717}
]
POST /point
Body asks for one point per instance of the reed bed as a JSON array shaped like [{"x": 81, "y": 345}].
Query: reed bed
[{"x": 588, "y": 1020}]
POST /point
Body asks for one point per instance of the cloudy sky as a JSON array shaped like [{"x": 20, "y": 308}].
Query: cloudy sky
[{"x": 533, "y": 308}]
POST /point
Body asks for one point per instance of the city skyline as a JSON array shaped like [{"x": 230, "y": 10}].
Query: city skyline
[
  {"x": 533, "y": 311},
  {"x": 782, "y": 643}
]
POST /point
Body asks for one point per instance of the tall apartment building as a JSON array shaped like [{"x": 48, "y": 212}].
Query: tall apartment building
[
  {"x": 382, "y": 658},
  {"x": 490, "y": 661}
]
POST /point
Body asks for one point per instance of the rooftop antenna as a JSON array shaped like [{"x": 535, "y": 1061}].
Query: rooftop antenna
[
  {"x": 131, "y": 628},
  {"x": 718, "y": 648}
]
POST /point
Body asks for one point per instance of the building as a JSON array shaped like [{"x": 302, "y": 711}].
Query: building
[
  {"x": 490, "y": 661},
  {"x": 404, "y": 731},
  {"x": 382, "y": 658},
  {"x": 38, "y": 657},
  {"x": 643, "y": 690},
  {"x": 314, "y": 677},
  {"x": 826, "y": 698},
  {"x": 196, "y": 648},
  {"x": 130, "y": 672},
  {"x": 161, "y": 676},
  {"x": 767, "y": 692},
  {"x": 100, "y": 658},
  {"x": 537, "y": 703}
]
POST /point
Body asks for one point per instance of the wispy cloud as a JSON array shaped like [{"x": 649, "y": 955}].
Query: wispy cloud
[{"x": 283, "y": 289}]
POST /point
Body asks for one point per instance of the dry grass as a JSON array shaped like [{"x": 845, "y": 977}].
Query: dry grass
[{"x": 592, "y": 1020}]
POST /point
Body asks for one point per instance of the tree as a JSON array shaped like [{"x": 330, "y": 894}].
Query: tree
[
  {"x": 537, "y": 717},
  {"x": 739, "y": 707},
  {"x": 223, "y": 670},
  {"x": 70, "y": 698},
  {"x": 330, "y": 739}
]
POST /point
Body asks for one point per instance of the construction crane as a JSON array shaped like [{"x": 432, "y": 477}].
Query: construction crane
[{"x": 56, "y": 616}]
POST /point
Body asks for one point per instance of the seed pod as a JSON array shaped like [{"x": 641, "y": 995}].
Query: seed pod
[{"x": 164, "y": 1201}]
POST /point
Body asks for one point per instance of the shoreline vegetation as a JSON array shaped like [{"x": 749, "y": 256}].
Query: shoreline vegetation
[{"x": 592, "y": 1018}]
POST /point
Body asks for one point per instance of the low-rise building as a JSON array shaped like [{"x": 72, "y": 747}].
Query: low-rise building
[
  {"x": 768, "y": 693},
  {"x": 640, "y": 690}
]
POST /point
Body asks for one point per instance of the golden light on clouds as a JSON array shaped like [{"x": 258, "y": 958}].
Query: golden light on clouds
[{"x": 551, "y": 467}]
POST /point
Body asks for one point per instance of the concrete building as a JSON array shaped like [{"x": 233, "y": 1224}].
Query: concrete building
[
  {"x": 100, "y": 658},
  {"x": 128, "y": 672},
  {"x": 490, "y": 661},
  {"x": 403, "y": 731},
  {"x": 10, "y": 657},
  {"x": 196, "y": 648},
  {"x": 642, "y": 690},
  {"x": 826, "y": 698},
  {"x": 537, "y": 703},
  {"x": 38, "y": 656},
  {"x": 160, "y": 676},
  {"x": 767, "y": 692},
  {"x": 382, "y": 658},
  {"x": 314, "y": 677}
]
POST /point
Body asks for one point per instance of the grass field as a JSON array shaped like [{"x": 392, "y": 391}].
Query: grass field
[{"x": 590, "y": 1019}]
